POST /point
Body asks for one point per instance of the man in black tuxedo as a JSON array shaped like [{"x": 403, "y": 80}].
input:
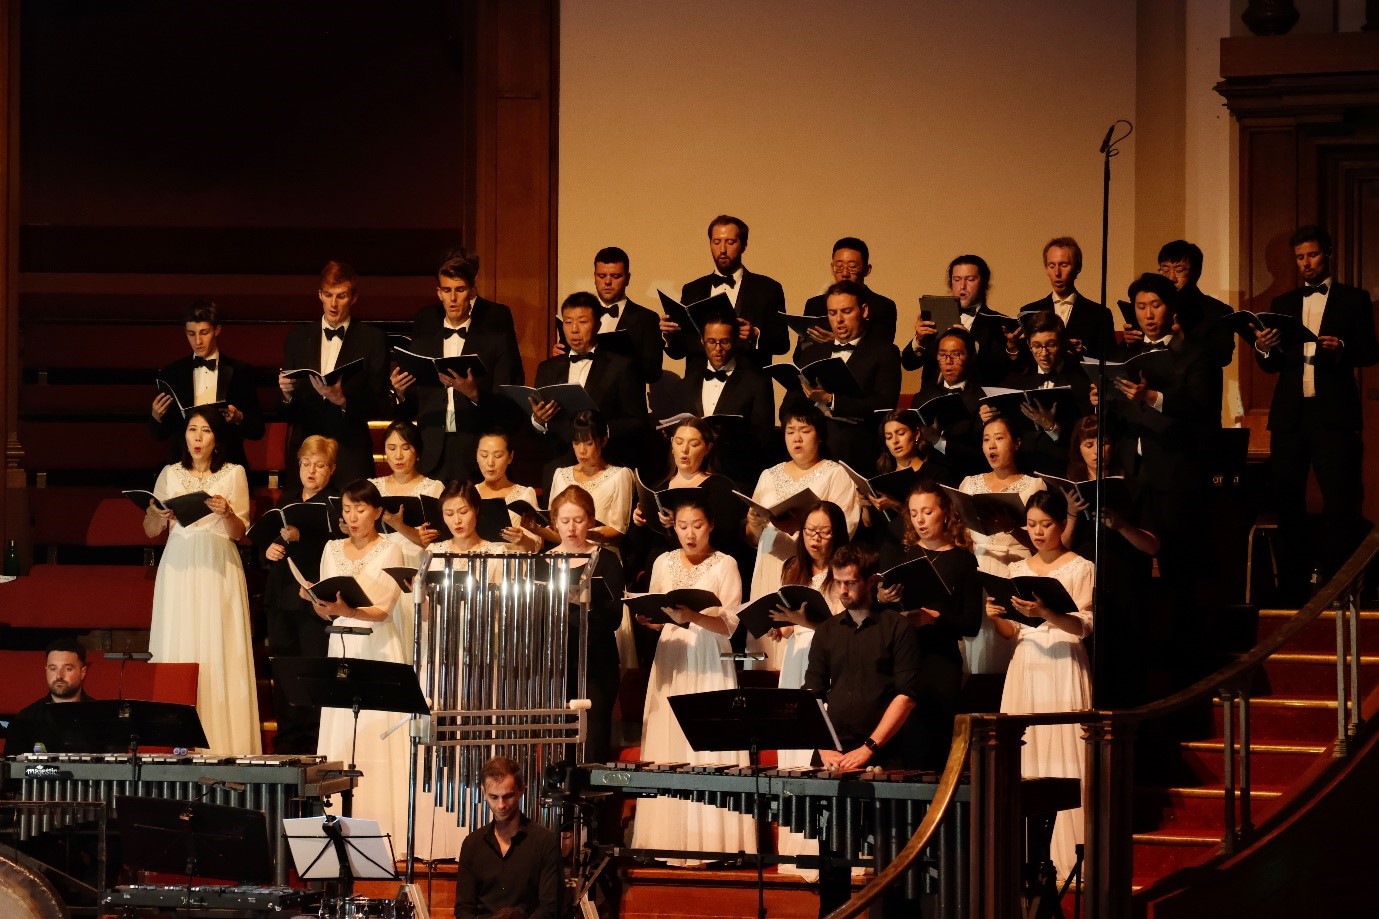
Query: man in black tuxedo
[
  {"x": 851, "y": 262},
  {"x": 1315, "y": 416},
  {"x": 758, "y": 301},
  {"x": 873, "y": 361},
  {"x": 612, "y": 273},
  {"x": 203, "y": 377},
  {"x": 609, "y": 379},
  {"x": 720, "y": 384},
  {"x": 957, "y": 447},
  {"x": 994, "y": 347},
  {"x": 1199, "y": 315},
  {"x": 341, "y": 411},
  {"x": 1091, "y": 331},
  {"x": 1044, "y": 445},
  {"x": 1168, "y": 421},
  {"x": 454, "y": 414}
]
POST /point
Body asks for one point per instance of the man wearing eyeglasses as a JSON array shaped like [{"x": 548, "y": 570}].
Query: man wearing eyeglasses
[
  {"x": 851, "y": 262},
  {"x": 1090, "y": 329}
]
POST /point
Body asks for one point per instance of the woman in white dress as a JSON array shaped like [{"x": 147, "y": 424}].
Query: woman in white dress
[
  {"x": 824, "y": 530},
  {"x": 806, "y": 468},
  {"x": 689, "y": 659},
  {"x": 200, "y": 602},
  {"x": 1049, "y": 671},
  {"x": 611, "y": 487},
  {"x": 363, "y": 555},
  {"x": 401, "y": 446},
  {"x": 989, "y": 652},
  {"x": 494, "y": 455}
]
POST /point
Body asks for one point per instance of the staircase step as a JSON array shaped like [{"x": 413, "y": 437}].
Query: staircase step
[
  {"x": 1309, "y": 673},
  {"x": 1287, "y": 719},
  {"x": 1188, "y": 810},
  {"x": 1320, "y": 635},
  {"x": 1271, "y": 765},
  {"x": 1159, "y": 853}
]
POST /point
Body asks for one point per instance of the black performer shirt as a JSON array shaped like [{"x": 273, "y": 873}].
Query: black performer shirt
[
  {"x": 31, "y": 726},
  {"x": 859, "y": 669},
  {"x": 528, "y": 877}
]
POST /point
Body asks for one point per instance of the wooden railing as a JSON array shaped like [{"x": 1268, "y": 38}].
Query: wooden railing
[{"x": 990, "y": 743}]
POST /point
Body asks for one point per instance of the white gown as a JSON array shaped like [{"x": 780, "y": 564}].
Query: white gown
[
  {"x": 794, "y": 663},
  {"x": 201, "y": 610},
  {"x": 987, "y": 651},
  {"x": 688, "y": 660},
  {"x": 829, "y": 482},
  {"x": 411, "y": 552},
  {"x": 382, "y": 792},
  {"x": 1049, "y": 674}
]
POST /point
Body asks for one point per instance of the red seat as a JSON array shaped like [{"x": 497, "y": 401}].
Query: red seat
[
  {"x": 116, "y": 522},
  {"x": 79, "y": 597},
  {"x": 270, "y": 451}
]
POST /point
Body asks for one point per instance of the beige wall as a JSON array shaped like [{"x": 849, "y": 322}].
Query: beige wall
[{"x": 928, "y": 129}]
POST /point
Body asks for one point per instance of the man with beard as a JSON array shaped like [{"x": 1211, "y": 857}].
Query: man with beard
[{"x": 66, "y": 672}]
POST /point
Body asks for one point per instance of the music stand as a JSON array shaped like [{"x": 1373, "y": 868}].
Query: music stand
[
  {"x": 310, "y": 838},
  {"x": 353, "y": 683},
  {"x": 770, "y": 719},
  {"x": 119, "y": 725},
  {"x": 184, "y": 837}
]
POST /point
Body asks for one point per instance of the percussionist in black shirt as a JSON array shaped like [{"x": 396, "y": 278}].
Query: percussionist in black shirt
[
  {"x": 511, "y": 867},
  {"x": 66, "y": 672}
]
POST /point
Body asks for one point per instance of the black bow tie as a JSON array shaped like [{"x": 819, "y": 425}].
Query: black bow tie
[
  {"x": 1309, "y": 291},
  {"x": 609, "y": 311},
  {"x": 1155, "y": 346},
  {"x": 724, "y": 280},
  {"x": 449, "y": 332},
  {"x": 586, "y": 356},
  {"x": 334, "y": 333},
  {"x": 207, "y": 362},
  {"x": 846, "y": 347},
  {"x": 719, "y": 375}
]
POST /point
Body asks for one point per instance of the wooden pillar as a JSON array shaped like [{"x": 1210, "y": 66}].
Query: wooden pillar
[
  {"x": 997, "y": 831},
  {"x": 14, "y": 504},
  {"x": 512, "y": 51},
  {"x": 1108, "y": 797}
]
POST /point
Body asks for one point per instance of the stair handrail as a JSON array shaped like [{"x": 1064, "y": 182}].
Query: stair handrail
[{"x": 933, "y": 818}]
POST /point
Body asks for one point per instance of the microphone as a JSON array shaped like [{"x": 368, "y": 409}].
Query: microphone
[{"x": 1106, "y": 141}]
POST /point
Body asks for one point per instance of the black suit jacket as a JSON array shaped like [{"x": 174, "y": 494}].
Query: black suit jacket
[
  {"x": 1039, "y": 451},
  {"x": 365, "y": 397},
  {"x": 1200, "y": 317},
  {"x": 493, "y": 338},
  {"x": 760, "y": 301},
  {"x": 1349, "y": 315},
  {"x": 1169, "y": 451},
  {"x": 234, "y": 384},
  {"x": 1089, "y": 322},
  {"x": 644, "y": 328},
  {"x": 613, "y": 386},
  {"x": 881, "y": 317},
  {"x": 962, "y": 453},
  {"x": 876, "y": 365},
  {"x": 745, "y": 449}
]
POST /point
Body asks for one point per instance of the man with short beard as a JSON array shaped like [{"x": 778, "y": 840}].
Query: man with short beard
[{"x": 66, "y": 672}]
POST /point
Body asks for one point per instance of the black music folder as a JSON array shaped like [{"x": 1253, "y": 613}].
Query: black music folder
[
  {"x": 691, "y": 316},
  {"x": 757, "y": 718},
  {"x": 417, "y": 510},
  {"x": 1049, "y": 591},
  {"x": 673, "y": 421},
  {"x": 653, "y": 606},
  {"x": 327, "y": 379},
  {"x": 1007, "y": 401},
  {"x": 493, "y": 519},
  {"x": 1127, "y": 312},
  {"x": 942, "y": 310},
  {"x": 896, "y": 485},
  {"x": 919, "y": 581},
  {"x": 1290, "y": 326},
  {"x": 165, "y": 387},
  {"x": 802, "y": 324},
  {"x": 311, "y": 518},
  {"x": 788, "y": 515},
  {"x": 758, "y": 616},
  {"x": 1115, "y": 491},
  {"x": 987, "y": 316},
  {"x": 351, "y": 593},
  {"x": 1156, "y": 366},
  {"x": 525, "y": 509},
  {"x": 942, "y": 411},
  {"x": 571, "y": 397},
  {"x": 831, "y": 373},
  {"x": 427, "y": 370},
  {"x": 188, "y": 508},
  {"x": 988, "y": 514}
]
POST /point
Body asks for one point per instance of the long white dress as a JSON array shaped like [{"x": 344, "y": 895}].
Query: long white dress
[
  {"x": 794, "y": 663},
  {"x": 1049, "y": 673},
  {"x": 829, "y": 482},
  {"x": 201, "y": 610},
  {"x": 411, "y": 552},
  {"x": 689, "y": 660},
  {"x": 987, "y": 651},
  {"x": 382, "y": 792}
]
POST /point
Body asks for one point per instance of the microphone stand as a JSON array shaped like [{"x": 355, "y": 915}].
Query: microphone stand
[{"x": 1108, "y": 150}]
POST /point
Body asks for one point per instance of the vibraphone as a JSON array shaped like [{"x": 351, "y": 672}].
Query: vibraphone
[
  {"x": 280, "y": 786},
  {"x": 859, "y": 818}
]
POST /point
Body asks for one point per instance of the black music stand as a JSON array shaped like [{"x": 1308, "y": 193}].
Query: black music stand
[
  {"x": 766, "y": 719},
  {"x": 120, "y": 725},
  {"x": 353, "y": 683},
  {"x": 186, "y": 837}
]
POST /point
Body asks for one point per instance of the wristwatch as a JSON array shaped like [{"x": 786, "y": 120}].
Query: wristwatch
[{"x": 871, "y": 745}]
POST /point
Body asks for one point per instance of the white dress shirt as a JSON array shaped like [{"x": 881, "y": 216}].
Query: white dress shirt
[
  {"x": 1063, "y": 306},
  {"x": 206, "y": 382},
  {"x": 452, "y": 346},
  {"x": 716, "y": 286},
  {"x": 607, "y": 321},
  {"x": 330, "y": 348},
  {"x": 1312, "y": 309},
  {"x": 712, "y": 390}
]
